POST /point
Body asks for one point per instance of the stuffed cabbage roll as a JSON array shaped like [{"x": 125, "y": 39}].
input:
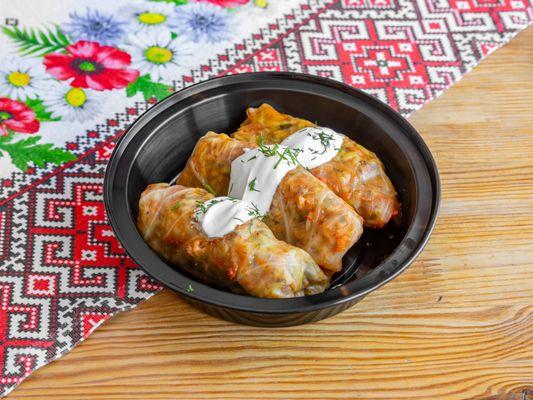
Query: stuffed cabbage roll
[
  {"x": 304, "y": 211},
  {"x": 209, "y": 165},
  {"x": 355, "y": 173},
  {"x": 248, "y": 260},
  {"x": 266, "y": 121}
]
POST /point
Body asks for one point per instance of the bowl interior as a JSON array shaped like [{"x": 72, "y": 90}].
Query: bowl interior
[{"x": 158, "y": 145}]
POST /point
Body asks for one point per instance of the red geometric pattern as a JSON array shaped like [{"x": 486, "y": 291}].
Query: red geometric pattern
[{"x": 62, "y": 272}]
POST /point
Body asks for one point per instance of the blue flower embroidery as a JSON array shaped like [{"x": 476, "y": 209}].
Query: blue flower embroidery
[
  {"x": 203, "y": 22},
  {"x": 95, "y": 27}
]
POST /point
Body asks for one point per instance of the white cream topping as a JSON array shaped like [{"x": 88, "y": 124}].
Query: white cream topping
[
  {"x": 256, "y": 175},
  {"x": 318, "y": 145},
  {"x": 221, "y": 215}
]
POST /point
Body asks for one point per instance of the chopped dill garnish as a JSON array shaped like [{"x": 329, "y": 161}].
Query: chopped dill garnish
[
  {"x": 238, "y": 219},
  {"x": 253, "y": 211},
  {"x": 252, "y": 158},
  {"x": 282, "y": 157},
  {"x": 324, "y": 138},
  {"x": 209, "y": 189},
  {"x": 251, "y": 185},
  {"x": 289, "y": 155},
  {"x": 203, "y": 206},
  {"x": 190, "y": 289},
  {"x": 268, "y": 151},
  {"x": 313, "y": 151},
  {"x": 261, "y": 140}
]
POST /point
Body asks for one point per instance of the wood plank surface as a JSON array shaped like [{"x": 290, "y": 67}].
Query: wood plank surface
[{"x": 458, "y": 324}]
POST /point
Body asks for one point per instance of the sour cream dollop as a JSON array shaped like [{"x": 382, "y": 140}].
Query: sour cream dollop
[
  {"x": 317, "y": 145},
  {"x": 221, "y": 215},
  {"x": 256, "y": 175}
]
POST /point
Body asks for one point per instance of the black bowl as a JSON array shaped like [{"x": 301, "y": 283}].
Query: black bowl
[{"x": 156, "y": 147}]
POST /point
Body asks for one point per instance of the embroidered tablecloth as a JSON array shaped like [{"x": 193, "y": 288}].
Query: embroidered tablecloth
[{"x": 75, "y": 74}]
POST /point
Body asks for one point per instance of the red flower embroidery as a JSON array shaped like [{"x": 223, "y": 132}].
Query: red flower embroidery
[
  {"x": 16, "y": 116},
  {"x": 226, "y": 3},
  {"x": 92, "y": 66}
]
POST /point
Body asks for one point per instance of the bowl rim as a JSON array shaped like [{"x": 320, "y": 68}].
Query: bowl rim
[{"x": 218, "y": 297}]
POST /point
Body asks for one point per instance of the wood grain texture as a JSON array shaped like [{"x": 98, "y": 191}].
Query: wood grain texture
[{"x": 458, "y": 324}]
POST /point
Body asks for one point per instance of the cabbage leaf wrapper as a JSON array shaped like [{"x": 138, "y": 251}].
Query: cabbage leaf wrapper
[
  {"x": 304, "y": 212},
  {"x": 248, "y": 260},
  {"x": 355, "y": 173}
]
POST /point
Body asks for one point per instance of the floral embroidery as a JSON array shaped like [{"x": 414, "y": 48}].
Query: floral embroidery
[
  {"x": 227, "y": 3},
  {"x": 157, "y": 54},
  {"x": 151, "y": 16},
  {"x": 204, "y": 22},
  {"x": 22, "y": 78},
  {"x": 92, "y": 66},
  {"x": 261, "y": 3},
  {"x": 17, "y": 117},
  {"x": 72, "y": 103},
  {"x": 37, "y": 42},
  {"x": 67, "y": 72},
  {"x": 95, "y": 26}
]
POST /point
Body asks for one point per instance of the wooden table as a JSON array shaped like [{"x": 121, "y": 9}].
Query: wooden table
[{"x": 458, "y": 324}]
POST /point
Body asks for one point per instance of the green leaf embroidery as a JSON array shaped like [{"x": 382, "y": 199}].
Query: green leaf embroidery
[
  {"x": 148, "y": 88},
  {"x": 36, "y": 42},
  {"x": 40, "y": 111},
  {"x": 175, "y": 2},
  {"x": 26, "y": 151}
]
